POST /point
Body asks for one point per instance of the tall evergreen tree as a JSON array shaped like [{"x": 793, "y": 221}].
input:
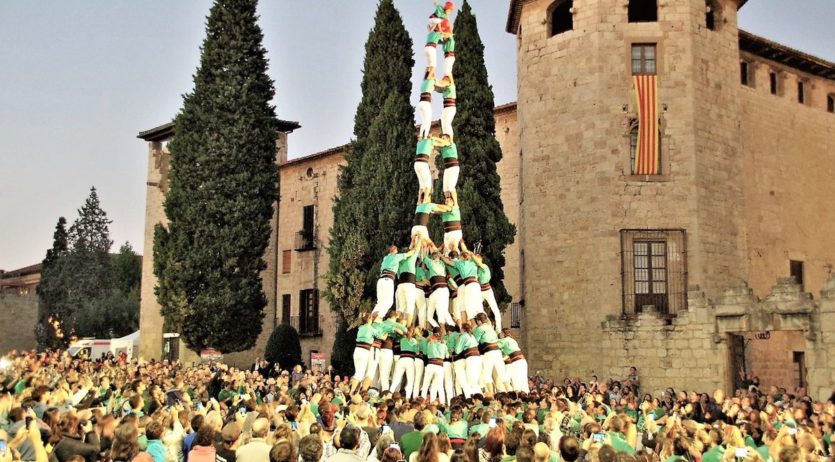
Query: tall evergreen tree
[
  {"x": 377, "y": 186},
  {"x": 479, "y": 190},
  {"x": 51, "y": 293},
  {"x": 223, "y": 186},
  {"x": 89, "y": 255}
]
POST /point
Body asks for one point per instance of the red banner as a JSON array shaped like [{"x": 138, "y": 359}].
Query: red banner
[{"x": 646, "y": 153}]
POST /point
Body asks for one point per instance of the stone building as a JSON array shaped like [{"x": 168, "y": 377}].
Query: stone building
[
  {"x": 719, "y": 261},
  {"x": 19, "y": 305},
  {"x": 683, "y": 273},
  {"x": 22, "y": 281}
]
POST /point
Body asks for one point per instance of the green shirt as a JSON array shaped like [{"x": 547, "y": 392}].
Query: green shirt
[
  {"x": 620, "y": 444},
  {"x": 483, "y": 273},
  {"x": 435, "y": 267},
  {"x": 451, "y": 338},
  {"x": 379, "y": 333},
  {"x": 365, "y": 334},
  {"x": 466, "y": 268},
  {"x": 485, "y": 334},
  {"x": 426, "y": 87},
  {"x": 508, "y": 346},
  {"x": 392, "y": 261},
  {"x": 410, "y": 442},
  {"x": 449, "y": 152},
  {"x": 440, "y": 12},
  {"x": 428, "y": 207},
  {"x": 408, "y": 344},
  {"x": 480, "y": 428},
  {"x": 714, "y": 454},
  {"x": 407, "y": 264},
  {"x": 423, "y": 345},
  {"x": 432, "y": 37},
  {"x": 425, "y": 147},
  {"x": 390, "y": 326},
  {"x": 465, "y": 342},
  {"x": 436, "y": 350},
  {"x": 452, "y": 215},
  {"x": 420, "y": 274},
  {"x": 448, "y": 92},
  {"x": 449, "y": 44},
  {"x": 457, "y": 430}
]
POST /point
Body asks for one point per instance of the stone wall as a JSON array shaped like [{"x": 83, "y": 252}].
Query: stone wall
[
  {"x": 20, "y": 315},
  {"x": 771, "y": 359}
]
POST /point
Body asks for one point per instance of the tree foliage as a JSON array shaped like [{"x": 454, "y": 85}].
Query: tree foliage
[
  {"x": 479, "y": 190},
  {"x": 223, "y": 185},
  {"x": 85, "y": 291},
  {"x": 342, "y": 358},
  {"x": 284, "y": 347},
  {"x": 377, "y": 185}
]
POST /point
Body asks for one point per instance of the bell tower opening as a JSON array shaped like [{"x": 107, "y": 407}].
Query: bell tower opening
[{"x": 643, "y": 11}]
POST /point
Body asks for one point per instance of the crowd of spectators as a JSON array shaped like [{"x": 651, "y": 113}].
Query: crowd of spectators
[{"x": 59, "y": 409}]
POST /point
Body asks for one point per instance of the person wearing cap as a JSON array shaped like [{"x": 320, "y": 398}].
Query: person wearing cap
[
  {"x": 406, "y": 364},
  {"x": 225, "y": 449},
  {"x": 424, "y": 110},
  {"x": 405, "y": 292},
  {"x": 385, "y": 284},
  {"x": 483, "y": 274},
  {"x": 492, "y": 367},
  {"x": 516, "y": 366}
]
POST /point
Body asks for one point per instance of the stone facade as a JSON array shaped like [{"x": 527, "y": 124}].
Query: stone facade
[
  {"x": 22, "y": 281},
  {"x": 726, "y": 148},
  {"x": 20, "y": 314},
  {"x": 745, "y": 177}
]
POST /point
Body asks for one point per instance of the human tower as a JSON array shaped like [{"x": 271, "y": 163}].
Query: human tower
[{"x": 430, "y": 326}]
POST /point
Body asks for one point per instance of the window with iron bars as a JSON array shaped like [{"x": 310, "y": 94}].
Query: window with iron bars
[
  {"x": 515, "y": 315},
  {"x": 654, "y": 270}
]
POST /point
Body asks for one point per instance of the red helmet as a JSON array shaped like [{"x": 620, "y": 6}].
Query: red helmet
[{"x": 449, "y": 6}]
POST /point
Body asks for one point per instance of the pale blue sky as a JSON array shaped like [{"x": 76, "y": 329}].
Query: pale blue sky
[{"x": 80, "y": 78}]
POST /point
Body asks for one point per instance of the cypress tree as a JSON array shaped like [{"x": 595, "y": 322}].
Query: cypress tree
[
  {"x": 51, "y": 291},
  {"x": 284, "y": 347},
  {"x": 377, "y": 185},
  {"x": 223, "y": 185},
  {"x": 479, "y": 190}
]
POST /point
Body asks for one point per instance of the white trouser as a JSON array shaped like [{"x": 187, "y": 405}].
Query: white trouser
[
  {"x": 452, "y": 239},
  {"x": 492, "y": 361},
  {"x": 361, "y": 356},
  {"x": 424, "y": 110},
  {"x": 472, "y": 299},
  {"x": 420, "y": 306},
  {"x": 430, "y": 54},
  {"x": 420, "y": 230},
  {"x": 433, "y": 382},
  {"x": 439, "y": 301},
  {"x": 424, "y": 175},
  {"x": 455, "y": 304},
  {"x": 518, "y": 371},
  {"x": 385, "y": 296},
  {"x": 373, "y": 362},
  {"x": 406, "y": 298},
  {"x": 446, "y": 120},
  {"x": 474, "y": 373},
  {"x": 489, "y": 297},
  {"x": 448, "y": 381},
  {"x": 386, "y": 359},
  {"x": 461, "y": 384},
  {"x": 451, "y": 178},
  {"x": 449, "y": 61},
  {"x": 404, "y": 366},
  {"x": 418, "y": 377}
]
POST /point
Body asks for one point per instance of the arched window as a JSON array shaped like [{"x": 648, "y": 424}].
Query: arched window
[
  {"x": 561, "y": 16},
  {"x": 643, "y": 11}
]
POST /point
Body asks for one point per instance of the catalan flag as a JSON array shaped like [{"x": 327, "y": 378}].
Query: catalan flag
[{"x": 646, "y": 153}]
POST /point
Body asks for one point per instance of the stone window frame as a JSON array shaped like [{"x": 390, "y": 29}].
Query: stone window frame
[
  {"x": 676, "y": 267},
  {"x": 713, "y": 9},
  {"x": 665, "y": 164},
  {"x": 549, "y": 17},
  {"x": 830, "y": 103}
]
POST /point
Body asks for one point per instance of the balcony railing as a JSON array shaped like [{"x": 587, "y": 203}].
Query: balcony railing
[
  {"x": 305, "y": 240},
  {"x": 311, "y": 328}
]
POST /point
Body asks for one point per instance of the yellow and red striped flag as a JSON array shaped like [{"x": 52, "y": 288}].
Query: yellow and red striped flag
[{"x": 646, "y": 153}]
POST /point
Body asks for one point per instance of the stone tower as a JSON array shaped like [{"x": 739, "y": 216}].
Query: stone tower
[{"x": 601, "y": 242}]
